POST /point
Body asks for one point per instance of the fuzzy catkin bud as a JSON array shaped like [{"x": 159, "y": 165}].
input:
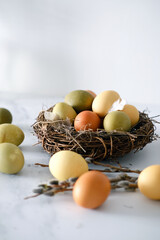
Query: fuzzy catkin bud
[
  {"x": 123, "y": 184},
  {"x": 49, "y": 193},
  {"x": 54, "y": 182},
  {"x": 38, "y": 190}
]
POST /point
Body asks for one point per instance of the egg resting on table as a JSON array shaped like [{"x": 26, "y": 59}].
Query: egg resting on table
[{"x": 91, "y": 189}]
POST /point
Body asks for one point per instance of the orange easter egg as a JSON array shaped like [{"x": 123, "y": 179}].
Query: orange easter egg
[
  {"x": 91, "y": 189},
  {"x": 86, "y": 120}
]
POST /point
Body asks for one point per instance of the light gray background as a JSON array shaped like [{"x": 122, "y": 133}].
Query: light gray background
[{"x": 50, "y": 47}]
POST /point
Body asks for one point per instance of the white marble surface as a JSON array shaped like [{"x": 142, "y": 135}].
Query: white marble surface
[{"x": 124, "y": 215}]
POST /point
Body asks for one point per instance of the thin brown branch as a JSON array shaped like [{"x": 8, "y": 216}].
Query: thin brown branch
[
  {"x": 42, "y": 165},
  {"x": 32, "y": 196},
  {"x": 120, "y": 169}
]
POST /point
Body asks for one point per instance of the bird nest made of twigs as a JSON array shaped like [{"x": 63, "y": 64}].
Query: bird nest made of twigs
[{"x": 60, "y": 135}]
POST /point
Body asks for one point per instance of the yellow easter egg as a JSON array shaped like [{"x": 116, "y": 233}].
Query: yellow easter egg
[
  {"x": 132, "y": 113},
  {"x": 149, "y": 182},
  {"x": 104, "y": 101},
  {"x": 66, "y": 164}
]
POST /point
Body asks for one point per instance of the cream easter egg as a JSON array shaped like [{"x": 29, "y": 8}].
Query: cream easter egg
[
  {"x": 66, "y": 164},
  {"x": 132, "y": 113},
  {"x": 104, "y": 101},
  {"x": 149, "y": 182}
]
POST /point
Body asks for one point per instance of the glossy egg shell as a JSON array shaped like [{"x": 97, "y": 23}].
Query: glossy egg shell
[
  {"x": 64, "y": 111},
  {"x": 11, "y": 158},
  {"x": 80, "y": 100},
  {"x": 66, "y": 164},
  {"x": 91, "y": 189},
  {"x": 11, "y": 133},
  {"x": 117, "y": 120},
  {"x": 132, "y": 113},
  {"x": 87, "y": 120},
  {"x": 92, "y": 93},
  {"x": 149, "y": 182},
  {"x": 104, "y": 101}
]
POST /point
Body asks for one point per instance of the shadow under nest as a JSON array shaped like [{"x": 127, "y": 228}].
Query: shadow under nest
[{"x": 61, "y": 135}]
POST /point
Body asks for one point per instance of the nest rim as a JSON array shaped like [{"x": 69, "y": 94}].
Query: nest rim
[{"x": 98, "y": 145}]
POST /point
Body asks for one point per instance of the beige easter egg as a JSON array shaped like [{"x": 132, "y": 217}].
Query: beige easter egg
[
  {"x": 104, "y": 101},
  {"x": 132, "y": 113},
  {"x": 66, "y": 164},
  {"x": 149, "y": 182}
]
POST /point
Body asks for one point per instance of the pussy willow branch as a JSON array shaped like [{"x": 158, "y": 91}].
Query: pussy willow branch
[
  {"x": 122, "y": 181},
  {"x": 108, "y": 168},
  {"x": 116, "y": 169}
]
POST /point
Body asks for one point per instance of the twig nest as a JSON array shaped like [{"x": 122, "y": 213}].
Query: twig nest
[
  {"x": 125, "y": 128},
  {"x": 61, "y": 135}
]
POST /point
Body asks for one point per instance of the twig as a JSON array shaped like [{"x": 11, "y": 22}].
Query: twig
[
  {"x": 49, "y": 193},
  {"x": 108, "y": 168},
  {"x": 42, "y": 165},
  {"x": 36, "y": 195},
  {"x": 118, "y": 169}
]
